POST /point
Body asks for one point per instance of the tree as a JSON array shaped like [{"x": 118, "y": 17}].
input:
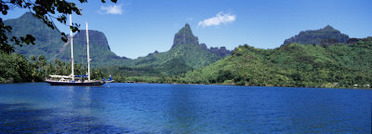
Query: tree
[{"x": 45, "y": 10}]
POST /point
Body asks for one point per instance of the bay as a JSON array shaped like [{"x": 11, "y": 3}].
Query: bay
[{"x": 172, "y": 108}]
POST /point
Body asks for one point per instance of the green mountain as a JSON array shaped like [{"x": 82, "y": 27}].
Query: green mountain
[
  {"x": 325, "y": 36},
  {"x": 185, "y": 36},
  {"x": 100, "y": 52},
  {"x": 48, "y": 41},
  {"x": 329, "y": 63},
  {"x": 292, "y": 65},
  {"x": 185, "y": 54}
]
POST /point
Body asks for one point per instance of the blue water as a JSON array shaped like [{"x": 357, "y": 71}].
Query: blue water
[{"x": 167, "y": 108}]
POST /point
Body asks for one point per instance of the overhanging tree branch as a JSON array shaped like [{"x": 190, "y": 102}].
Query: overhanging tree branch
[{"x": 45, "y": 10}]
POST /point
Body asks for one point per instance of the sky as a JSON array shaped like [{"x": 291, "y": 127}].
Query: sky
[{"x": 135, "y": 28}]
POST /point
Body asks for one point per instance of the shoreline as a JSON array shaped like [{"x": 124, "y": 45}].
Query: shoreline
[
  {"x": 213, "y": 84},
  {"x": 231, "y": 84}
]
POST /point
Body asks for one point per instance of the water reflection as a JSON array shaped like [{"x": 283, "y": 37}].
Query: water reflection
[
  {"x": 163, "y": 108},
  {"x": 20, "y": 118},
  {"x": 181, "y": 110}
]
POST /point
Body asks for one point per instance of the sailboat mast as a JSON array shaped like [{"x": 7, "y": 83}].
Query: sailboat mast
[
  {"x": 72, "y": 51},
  {"x": 87, "y": 33}
]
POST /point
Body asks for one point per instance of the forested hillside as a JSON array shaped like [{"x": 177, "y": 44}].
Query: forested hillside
[
  {"x": 313, "y": 58},
  {"x": 17, "y": 68},
  {"x": 48, "y": 41},
  {"x": 185, "y": 54},
  {"x": 49, "y": 44},
  {"x": 292, "y": 65}
]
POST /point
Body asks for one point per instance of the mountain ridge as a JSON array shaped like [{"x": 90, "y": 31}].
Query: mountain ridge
[
  {"x": 100, "y": 51},
  {"x": 293, "y": 65},
  {"x": 327, "y": 63},
  {"x": 185, "y": 49},
  {"x": 48, "y": 41},
  {"x": 185, "y": 54},
  {"x": 324, "y": 36}
]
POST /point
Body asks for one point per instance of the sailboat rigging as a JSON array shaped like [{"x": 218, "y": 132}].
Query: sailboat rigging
[{"x": 70, "y": 80}]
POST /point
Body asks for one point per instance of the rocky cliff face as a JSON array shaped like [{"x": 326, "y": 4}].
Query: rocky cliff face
[
  {"x": 325, "y": 36},
  {"x": 222, "y": 51},
  {"x": 185, "y": 54},
  {"x": 95, "y": 37},
  {"x": 186, "y": 50},
  {"x": 99, "y": 49},
  {"x": 185, "y": 36},
  {"x": 219, "y": 51}
]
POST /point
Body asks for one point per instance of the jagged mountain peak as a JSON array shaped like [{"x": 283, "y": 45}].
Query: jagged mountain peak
[
  {"x": 328, "y": 27},
  {"x": 186, "y": 29},
  {"x": 185, "y": 36},
  {"x": 187, "y": 26}
]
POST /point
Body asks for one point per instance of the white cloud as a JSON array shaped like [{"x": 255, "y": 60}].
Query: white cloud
[
  {"x": 220, "y": 18},
  {"x": 115, "y": 9}
]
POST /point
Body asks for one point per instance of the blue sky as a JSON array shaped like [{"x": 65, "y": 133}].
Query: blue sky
[{"x": 137, "y": 27}]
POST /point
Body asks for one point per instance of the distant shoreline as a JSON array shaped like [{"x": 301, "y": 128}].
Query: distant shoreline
[
  {"x": 221, "y": 84},
  {"x": 210, "y": 84}
]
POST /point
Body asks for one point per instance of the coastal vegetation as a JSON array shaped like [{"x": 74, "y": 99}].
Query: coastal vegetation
[
  {"x": 292, "y": 65},
  {"x": 44, "y": 11},
  {"x": 313, "y": 58},
  {"x": 17, "y": 68},
  {"x": 340, "y": 64}
]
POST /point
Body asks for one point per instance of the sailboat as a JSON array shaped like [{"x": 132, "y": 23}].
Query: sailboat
[{"x": 72, "y": 79}]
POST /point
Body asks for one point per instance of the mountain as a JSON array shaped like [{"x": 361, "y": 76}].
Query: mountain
[
  {"x": 49, "y": 44},
  {"x": 99, "y": 49},
  {"x": 185, "y": 36},
  {"x": 48, "y": 41},
  {"x": 325, "y": 36},
  {"x": 222, "y": 51},
  {"x": 292, "y": 65},
  {"x": 185, "y": 54}
]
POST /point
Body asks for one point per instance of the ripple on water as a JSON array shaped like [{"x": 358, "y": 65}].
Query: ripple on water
[{"x": 167, "y": 108}]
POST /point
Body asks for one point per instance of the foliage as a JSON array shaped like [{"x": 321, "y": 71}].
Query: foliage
[
  {"x": 179, "y": 59},
  {"x": 182, "y": 57},
  {"x": 291, "y": 65},
  {"x": 186, "y": 54},
  {"x": 16, "y": 68},
  {"x": 45, "y": 10},
  {"x": 47, "y": 43}
]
